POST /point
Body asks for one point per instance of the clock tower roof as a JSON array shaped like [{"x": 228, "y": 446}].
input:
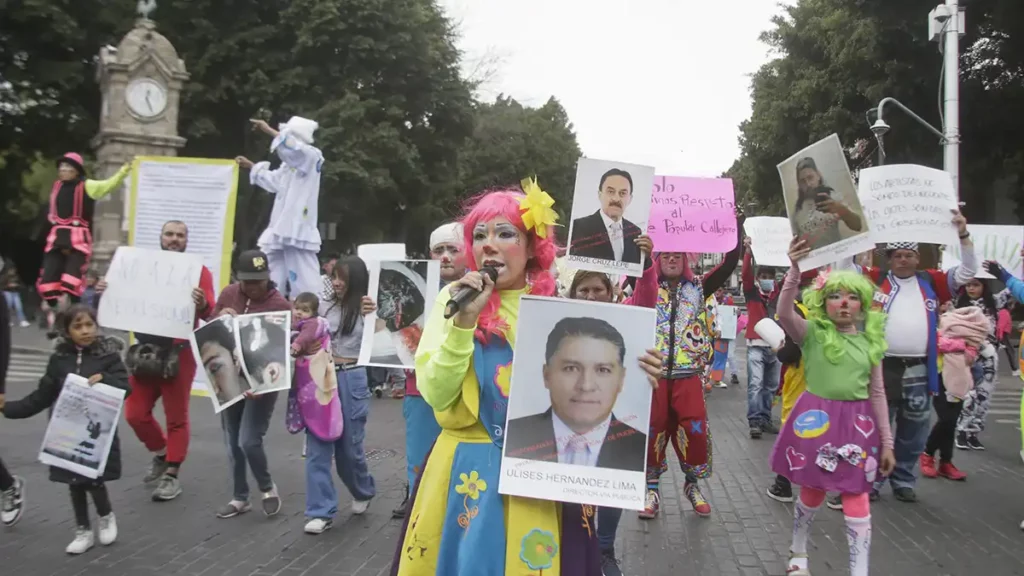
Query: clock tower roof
[{"x": 142, "y": 43}]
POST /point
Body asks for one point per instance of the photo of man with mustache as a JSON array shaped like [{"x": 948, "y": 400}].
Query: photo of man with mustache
[{"x": 606, "y": 234}]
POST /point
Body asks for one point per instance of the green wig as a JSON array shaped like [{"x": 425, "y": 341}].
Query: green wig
[{"x": 825, "y": 330}]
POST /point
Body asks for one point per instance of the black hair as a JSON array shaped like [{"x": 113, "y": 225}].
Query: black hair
[
  {"x": 68, "y": 316},
  {"x": 353, "y": 271},
  {"x": 256, "y": 361},
  {"x": 804, "y": 164},
  {"x": 218, "y": 332},
  {"x": 588, "y": 327},
  {"x": 963, "y": 300},
  {"x": 308, "y": 299},
  {"x": 616, "y": 172}
]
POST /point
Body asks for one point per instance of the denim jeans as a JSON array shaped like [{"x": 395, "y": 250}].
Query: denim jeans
[
  {"x": 764, "y": 372},
  {"x": 245, "y": 423},
  {"x": 13, "y": 300},
  {"x": 607, "y": 526},
  {"x": 910, "y": 417},
  {"x": 347, "y": 451}
]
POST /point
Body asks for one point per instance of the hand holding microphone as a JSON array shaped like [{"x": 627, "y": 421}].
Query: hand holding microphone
[{"x": 469, "y": 294}]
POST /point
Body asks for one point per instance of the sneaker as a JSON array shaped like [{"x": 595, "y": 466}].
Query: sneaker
[
  {"x": 974, "y": 444},
  {"x": 157, "y": 469},
  {"x": 755, "y": 431},
  {"x": 403, "y": 508},
  {"x": 696, "y": 498},
  {"x": 1016, "y": 373},
  {"x": 835, "y": 502},
  {"x": 84, "y": 540},
  {"x": 769, "y": 427},
  {"x": 233, "y": 508},
  {"x": 905, "y": 495},
  {"x": 168, "y": 489},
  {"x": 928, "y": 469},
  {"x": 735, "y": 380},
  {"x": 609, "y": 565},
  {"x": 271, "y": 502},
  {"x": 13, "y": 502},
  {"x": 721, "y": 384},
  {"x": 874, "y": 495},
  {"x": 961, "y": 440},
  {"x": 360, "y": 506},
  {"x": 651, "y": 505},
  {"x": 797, "y": 565},
  {"x": 108, "y": 529},
  {"x": 318, "y": 526},
  {"x": 950, "y": 472},
  {"x": 780, "y": 491},
  {"x": 24, "y": 324}
]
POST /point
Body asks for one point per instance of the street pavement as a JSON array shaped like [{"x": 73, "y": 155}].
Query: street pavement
[{"x": 955, "y": 529}]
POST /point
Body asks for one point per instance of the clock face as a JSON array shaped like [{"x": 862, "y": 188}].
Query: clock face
[{"x": 146, "y": 98}]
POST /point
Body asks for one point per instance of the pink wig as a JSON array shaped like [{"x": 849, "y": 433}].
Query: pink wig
[{"x": 540, "y": 281}]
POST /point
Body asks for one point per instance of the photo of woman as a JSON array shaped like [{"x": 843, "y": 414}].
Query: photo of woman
[
  {"x": 216, "y": 348},
  {"x": 819, "y": 209}
]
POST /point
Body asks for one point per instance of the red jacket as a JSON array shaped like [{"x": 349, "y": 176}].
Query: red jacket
[{"x": 232, "y": 297}]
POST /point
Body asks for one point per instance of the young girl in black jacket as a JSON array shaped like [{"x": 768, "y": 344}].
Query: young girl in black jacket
[{"x": 84, "y": 351}]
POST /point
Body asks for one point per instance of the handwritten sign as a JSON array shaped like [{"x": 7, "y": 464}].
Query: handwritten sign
[
  {"x": 150, "y": 292},
  {"x": 692, "y": 214},
  {"x": 908, "y": 203},
  {"x": 769, "y": 239},
  {"x": 999, "y": 243},
  {"x": 728, "y": 317}
]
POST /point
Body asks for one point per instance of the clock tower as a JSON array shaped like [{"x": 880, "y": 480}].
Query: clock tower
[{"x": 141, "y": 82}]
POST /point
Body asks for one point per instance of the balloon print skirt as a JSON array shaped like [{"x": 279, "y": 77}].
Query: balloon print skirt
[{"x": 831, "y": 445}]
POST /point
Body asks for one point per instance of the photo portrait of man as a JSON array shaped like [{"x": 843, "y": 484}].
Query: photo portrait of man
[
  {"x": 606, "y": 234},
  {"x": 584, "y": 373}
]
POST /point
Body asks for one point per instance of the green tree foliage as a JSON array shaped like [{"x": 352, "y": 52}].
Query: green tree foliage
[{"x": 836, "y": 59}]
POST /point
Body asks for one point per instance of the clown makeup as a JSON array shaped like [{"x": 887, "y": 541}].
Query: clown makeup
[
  {"x": 672, "y": 264},
  {"x": 500, "y": 244},
  {"x": 452, "y": 259},
  {"x": 843, "y": 308}
]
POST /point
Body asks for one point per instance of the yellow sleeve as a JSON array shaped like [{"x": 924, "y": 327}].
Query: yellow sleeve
[
  {"x": 97, "y": 189},
  {"x": 442, "y": 358}
]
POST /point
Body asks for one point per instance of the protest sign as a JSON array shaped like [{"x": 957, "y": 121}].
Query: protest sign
[
  {"x": 692, "y": 214},
  {"x": 381, "y": 251},
  {"x": 999, "y": 243},
  {"x": 404, "y": 291},
  {"x": 81, "y": 430},
  {"x": 908, "y": 203},
  {"x": 727, "y": 318},
  {"x": 150, "y": 291},
  {"x": 769, "y": 240},
  {"x": 822, "y": 203},
  {"x": 564, "y": 443}
]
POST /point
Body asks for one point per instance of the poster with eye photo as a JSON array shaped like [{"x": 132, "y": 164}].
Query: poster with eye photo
[
  {"x": 405, "y": 291},
  {"x": 263, "y": 342}
]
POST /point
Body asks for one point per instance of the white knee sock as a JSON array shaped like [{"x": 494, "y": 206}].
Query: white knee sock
[
  {"x": 858, "y": 534},
  {"x": 803, "y": 515}
]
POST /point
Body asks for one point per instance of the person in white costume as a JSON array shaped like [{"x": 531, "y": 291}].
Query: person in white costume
[{"x": 291, "y": 240}]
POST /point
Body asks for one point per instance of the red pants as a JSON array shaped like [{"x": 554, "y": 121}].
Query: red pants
[
  {"x": 678, "y": 412},
  {"x": 176, "y": 393}
]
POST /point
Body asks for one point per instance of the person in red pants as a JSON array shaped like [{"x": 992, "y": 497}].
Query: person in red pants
[
  {"x": 678, "y": 412},
  {"x": 162, "y": 367}
]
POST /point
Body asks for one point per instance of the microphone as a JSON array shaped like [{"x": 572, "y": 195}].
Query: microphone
[{"x": 466, "y": 294}]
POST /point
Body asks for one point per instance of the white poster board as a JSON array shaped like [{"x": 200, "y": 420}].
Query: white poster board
[
  {"x": 150, "y": 291},
  {"x": 769, "y": 240},
  {"x": 908, "y": 203},
  {"x": 370, "y": 252},
  {"x": 999, "y": 243},
  {"x": 571, "y": 443},
  {"x": 728, "y": 316},
  {"x": 81, "y": 429},
  {"x": 405, "y": 291}
]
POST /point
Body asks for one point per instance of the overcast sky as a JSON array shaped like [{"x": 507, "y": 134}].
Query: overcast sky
[{"x": 657, "y": 82}]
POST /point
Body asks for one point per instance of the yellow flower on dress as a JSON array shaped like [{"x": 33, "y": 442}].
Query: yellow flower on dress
[
  {"x": 472, "y": 485},
  {"x": 536, "y": 207},
  {"x": 503, "y": 379}
]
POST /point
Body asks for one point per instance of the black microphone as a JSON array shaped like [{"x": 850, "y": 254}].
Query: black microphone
[{"x": 466, "y": 294}]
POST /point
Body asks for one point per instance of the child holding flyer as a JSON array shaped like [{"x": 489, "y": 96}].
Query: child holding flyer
[
  {"x": 81, "y": 350},
  {"x": 838, "y": 437}
]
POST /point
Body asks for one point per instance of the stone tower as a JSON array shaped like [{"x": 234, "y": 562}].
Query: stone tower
[{"x": 141, "y": 82}]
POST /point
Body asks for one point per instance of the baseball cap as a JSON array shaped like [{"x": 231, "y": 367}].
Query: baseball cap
[{"x": 252, "y": 265}]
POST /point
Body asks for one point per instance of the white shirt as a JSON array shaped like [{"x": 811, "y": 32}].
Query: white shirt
[
  {"x": 296, "y": 188},
  {"x": 615, "y": 234},
  {"x": 576, "y": 449},
  {"x": 907, "y": 327}
]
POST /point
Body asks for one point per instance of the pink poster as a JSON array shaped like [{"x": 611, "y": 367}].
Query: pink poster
[{"x": 693, "y": 215}]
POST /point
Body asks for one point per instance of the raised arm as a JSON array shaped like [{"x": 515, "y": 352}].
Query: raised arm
[
  {"x": 717, "y": 278},
  {"x": 968, "y": 267},
  {"x": 794, "y": 325},
  {"x": 1014, "y": 285},
  {"x": 645, "y": 292},
  {"x": 443, "y": 357},
  {"x": 97, "y": 189}
]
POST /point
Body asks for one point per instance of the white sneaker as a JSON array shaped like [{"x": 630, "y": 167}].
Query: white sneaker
[
  {"x": 25, "y": 324},
  {"x": 722, "y": 384},
  {"x": 84, "y": 540},
  {"x": 318, "y": 526},
  {"x": 108, "y": 529},
  {"x": 360, "y": 506},
  {"x": 1016, "y": 373},
  {"x": 12, "y": 502}
]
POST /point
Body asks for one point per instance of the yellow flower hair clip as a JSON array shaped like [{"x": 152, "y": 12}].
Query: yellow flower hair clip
[{"x": 536, "y": 208}]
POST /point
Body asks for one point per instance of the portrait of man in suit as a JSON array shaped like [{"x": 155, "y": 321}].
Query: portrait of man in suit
[
  {"x": 606, "y": 234},
  {"x": 584, "y": 373}
]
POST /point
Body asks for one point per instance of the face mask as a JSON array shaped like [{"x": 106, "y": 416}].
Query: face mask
[{"x": 766, "y": 285}]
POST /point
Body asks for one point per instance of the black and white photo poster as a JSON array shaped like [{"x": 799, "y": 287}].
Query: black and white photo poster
[
  {"x": 611, "y": 205},
  {"x": 263, "y": 341},
  {"x": 81, "y": 429},
  {"x": 579, "y": 408},
  {"x": 216, "y": 351},
  {"x": 404, "y": 291}
]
